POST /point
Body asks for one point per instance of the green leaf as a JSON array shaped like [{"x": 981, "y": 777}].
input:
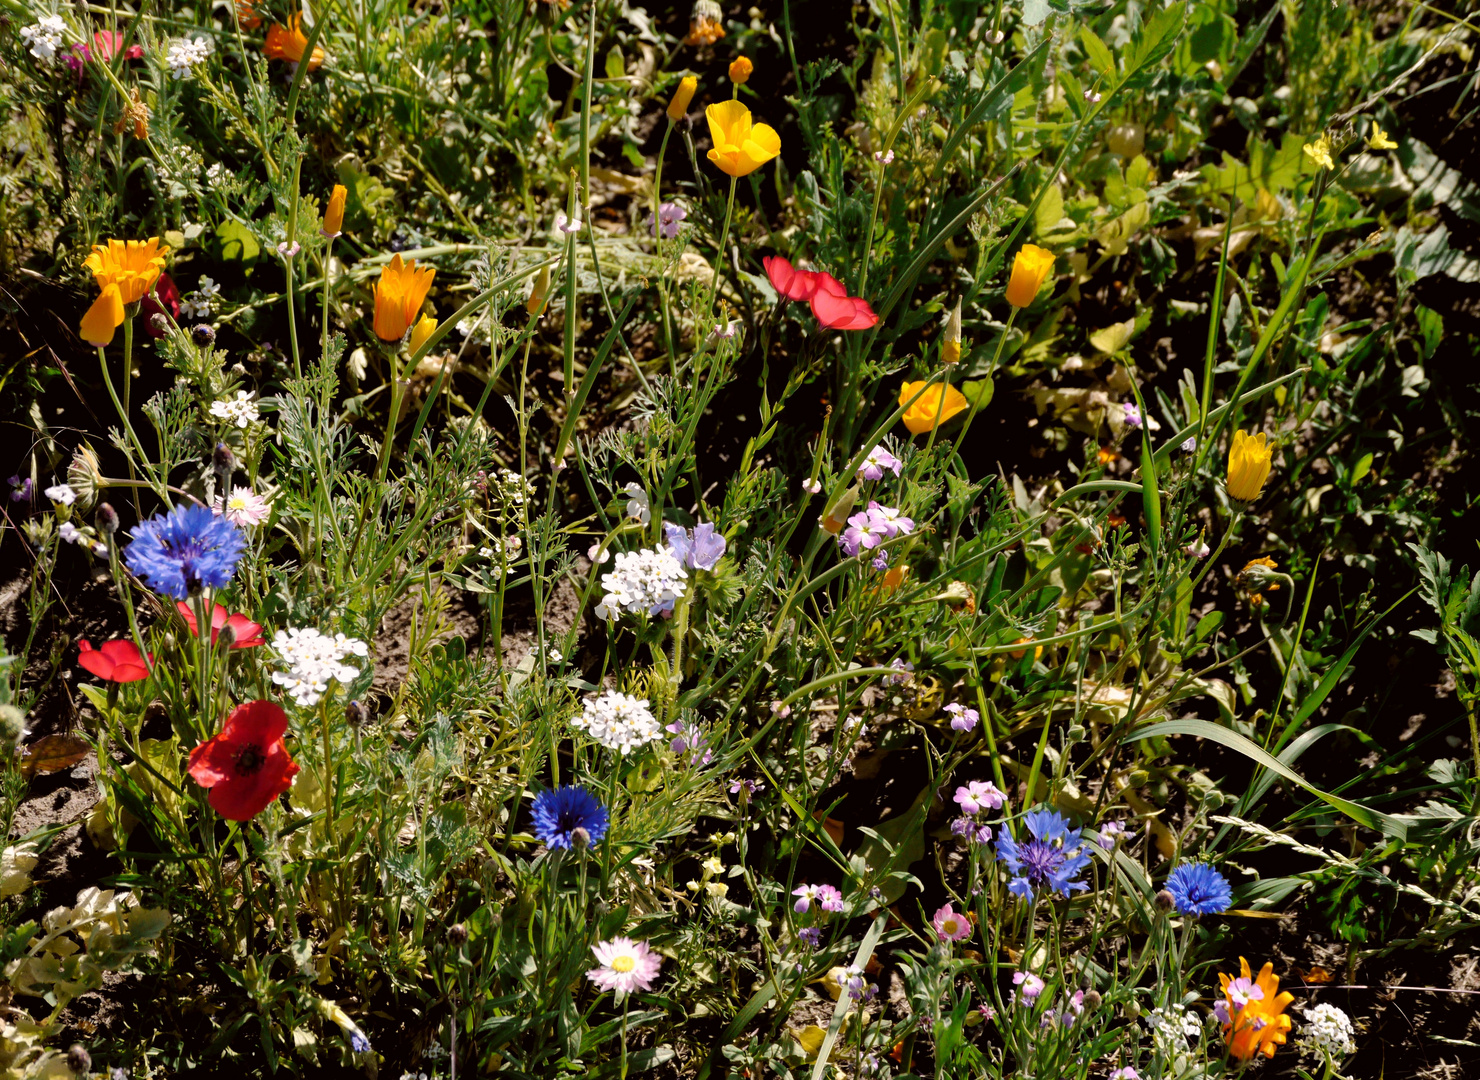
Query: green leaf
[
  {"x": 616, "y": 63},
  {"x": 1203, "y": 729},
  {"x": 1157, "y": 38},
  {"x": 237, "y": 242},
  {"x": 1099, "y": 54},
  {"x": 1050, "y": 211}
]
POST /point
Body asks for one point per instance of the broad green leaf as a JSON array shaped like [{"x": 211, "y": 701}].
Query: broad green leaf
[
  {"x": 1050, "y": 211},
  {"x": 1099, "y": 54},
  {"x": 1114, "y": 337}
]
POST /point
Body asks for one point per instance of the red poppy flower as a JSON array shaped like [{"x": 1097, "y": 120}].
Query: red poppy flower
[
  {"x": 115, "y": 661},
  {"x": 165, "y": 296},
  {"x": 787, "y": 280},
  {"x": 107, "y": 45},
  {"x": 246, "y": 766},
  {"x": 248, "y": 633},
  {"x": 836, "y": 310}
]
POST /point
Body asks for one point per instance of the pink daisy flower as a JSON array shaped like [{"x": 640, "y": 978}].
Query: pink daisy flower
[
  {"x": 626, "y": 965},
  {"x": 243, "y": 507},
  {"x": 951, "y": 925}
]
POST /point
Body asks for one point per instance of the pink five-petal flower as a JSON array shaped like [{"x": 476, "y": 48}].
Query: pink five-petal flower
[
  {"x": 836, "y": 310},
  {"x": 789, "y": 282},
  {"x": 951, "y": 925}
]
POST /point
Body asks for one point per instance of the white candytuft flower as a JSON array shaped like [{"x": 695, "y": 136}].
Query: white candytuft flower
[
  {"x": 1172, "y": 1028},
  {"x": 314, "y": 659},
  {"x": 646, "y": 582},
  {"x": 618, "y": 722},
  {"x": 241, "y": 412},
  {"x": 185, "y": 54},
  {"x": 1328, "y": 1033},
  {"x": 44, "y": 36}
]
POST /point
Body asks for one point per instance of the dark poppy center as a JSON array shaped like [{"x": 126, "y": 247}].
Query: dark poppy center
[{"x": 249, "y": 759}]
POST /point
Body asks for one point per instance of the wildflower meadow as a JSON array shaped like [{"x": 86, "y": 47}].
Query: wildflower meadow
[{"x": 907, "y": 538}]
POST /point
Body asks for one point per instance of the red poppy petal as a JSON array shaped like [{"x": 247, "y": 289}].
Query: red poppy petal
[
  {"x": 832, "y": 310},
  {"x": 259, "y": 723},
  {"x": 95, "y": 662},
  {"x": 241, "y": 798},
  {"x": 829, "y": 284},
  {"x": 218, "y": 616},
  {"x": 130, "y": 673},
  {"x": 248, "y": 633},
  {"x": 185, "y": 613},
  {"x": 213, "y": 761}
]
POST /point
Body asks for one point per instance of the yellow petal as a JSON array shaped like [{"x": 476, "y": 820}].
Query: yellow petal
[
  {"x": 105, "y": 316},
  {"x": 424, "y": 328}
]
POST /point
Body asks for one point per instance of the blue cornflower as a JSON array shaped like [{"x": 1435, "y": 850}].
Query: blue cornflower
[
  {"x": 1198, "y": 889},
  {"x": 559, "y": 813},
  {"x": 184, "y": 551},
  {"x": 1051, "y": 858},
  {"x": 358, "y": 1043}
]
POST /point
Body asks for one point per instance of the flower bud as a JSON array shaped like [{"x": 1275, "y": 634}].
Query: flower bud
[
  {"x": 536, "y": 302},
  {"x": 740, "y": 70},
  {"x": 457, "y": 935},
  {"x": 107, "y": 519},
  {"x": 225, "y": 638},
  {"x": 580, "y": 839},
  {"x": 1092, "y": 999},
  {"x": 1165, "y": 901},
  {"x": 354, "y": 714},
  {"x": 159, "y": 326},
  {"x": 334, "y": 212},
  {"x": 78, "y": 1059},
  {"x": 678, "y": 107},
  {"x": 85, "y": 477},
  {"x": 204, "y": 335},
  {"x": 223, "y": 460},
  {"x": 12, "y": 728},
  {"x": 950, "y": 349}
]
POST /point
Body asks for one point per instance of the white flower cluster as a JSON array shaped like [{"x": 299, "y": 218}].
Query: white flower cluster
[
  {"x": 241, "y": 412},
  {"x": 645, "y": 582},
  {"x": 313, "y": 659},
  {"x": 1172, "y": 1028},
  {"x": 618, "y": 722},
  {"x": 44, "y": 36},
  {"x": 185, "y": 54},
  {"x": 216, "y": 176},
  {"x": 201, "y": 303},
  {"x": 1328, "y": 1032}
]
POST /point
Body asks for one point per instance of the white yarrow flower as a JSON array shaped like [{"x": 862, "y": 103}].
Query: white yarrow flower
[
  {"x": 185, "y": 54},
  {"x": 314, "y": 659},
  {"x": 618, "y": 722},
  {"x": 1327, "y": 1033},
  {"x": 44, "y": 36},
  {"x": 646, "y": 582},
  {"x": 241, "y": 412}
]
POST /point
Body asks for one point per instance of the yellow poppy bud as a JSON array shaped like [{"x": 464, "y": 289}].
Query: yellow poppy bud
[
  {"x": 536, "y": 302},
  {"x": 334, "y": 212},
  {"x": 836, "y": 516},
  {"x": 740, "y": 146},
  {"x": 950, "y": 349},
  {"x": 920, "y": 417},
  {"x": 401, "y": 291},
  {"x": 740, "y": 70},
  {"x": 1029, "y": 269},
  {"x": 105, "y": 316},
  {"x": 678, "y": 107},
  {"x": 1248, "y": 466},
  {"x": 424, "y": 328}
]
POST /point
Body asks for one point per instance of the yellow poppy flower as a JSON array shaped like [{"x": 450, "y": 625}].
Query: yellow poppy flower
[
  {"x": 125, "y": 270},
  {"x": 1320, "y": 152},
  {"x": 1030, "y": 268},
  {"x": 678, "y": 107},
  {"x": 334, "y": 212},
  {"x": 1248, "y": 466},
  {"x": 1255, "y": 1025},
  {"x": 287, "y": 43},
  {"x": 424, "y": 328},
  {"x": 1379, "y": 140},
  {"x": 740, "y": 70},
  {"x": 920, "y": 417},
  {"x": 399, "y": 295},
  {"x": 740, "y": 147}
]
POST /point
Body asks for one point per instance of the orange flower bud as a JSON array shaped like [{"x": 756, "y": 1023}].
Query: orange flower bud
[
  {"x": 1029, "y": 269},
  {"x": 740, "y": 70},
  {"x": 678, "y": 107}
]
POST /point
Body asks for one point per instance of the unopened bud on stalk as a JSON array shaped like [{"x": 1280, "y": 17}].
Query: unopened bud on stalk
[
  {"x": 225, "y": 638},
  {"x": 223, "y": 460},
  {"x": 1165, "y": 901},
  {"x": 354, "y": 714},
  {"x": 536, "y": 302},
  {"x": 107, "y": 519},
  {"x": 678, "y": 107},
  {"x": 1092, "y": 999},
  {"x": 78, "y": 1059},
  {"x": 159, "y": 326},
  {"x": 580, "y": 839},
  {"x": 457, "y": 935},
  {"x": 204, "y": 335},
  {"x": 950, "y": 349}
]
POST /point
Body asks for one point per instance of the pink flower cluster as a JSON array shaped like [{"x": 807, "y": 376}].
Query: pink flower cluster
[
  {"x": 869, "y": 528},
  {"x": 975, "y": 799}
]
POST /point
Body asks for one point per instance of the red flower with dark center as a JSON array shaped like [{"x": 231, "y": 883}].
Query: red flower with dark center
[
  {"x": 165, "y": 296},
  {"x": 246, "y": 766},
  {"x": 836, "y": 310},
  {"x": 115, "y": 661},
  {"x": 248, "y": 634},
  {"x": 787, "y": 280}
]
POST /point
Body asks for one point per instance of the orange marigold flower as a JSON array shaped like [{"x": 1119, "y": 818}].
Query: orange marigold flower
[
  {"x": 125, "y": 271},
  {"x": 1253, "y": 1011},
  {"x": 288, "y": 43},
  {"x": 401, "y": 291}
]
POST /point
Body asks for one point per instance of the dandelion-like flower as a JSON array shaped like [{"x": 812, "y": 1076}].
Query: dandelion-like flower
[
  {"x": 950, "y": 925},
  {"x": 314, "y": 660},
  {"x": 1327, "y": 1033},
  {"x": 184, "y": 551},
  {"x": 1253, "y": 1024},
  {"x": 647, "y": 582},
  {"x": 618, "y": 721},
  {"x": 559, "y": 813},
  {"x": 705, "y": 27},
  {"x": 125, "y": 271},
  {"x": 1051, "y": 858},
  {"x": 626, "y": 965},
  {"x": 1198, "y": 889},
  {"x": 1248, "y": 466}
]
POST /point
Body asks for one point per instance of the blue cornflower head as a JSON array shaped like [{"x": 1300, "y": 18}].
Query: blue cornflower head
[
  {"x": 184, "y": 551},
  {"x": 1198, "y": 889},
  {"x": 559, "y": 813},
  {"x": 1049, "y": 858}
]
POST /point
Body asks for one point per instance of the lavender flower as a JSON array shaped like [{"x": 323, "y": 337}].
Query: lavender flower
[
  {"x": 697, "y": 550},
  {"x": 877, "y": 463},
  {"x": 962, "y": 718},
  {"x": 670, "y": 216}
]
